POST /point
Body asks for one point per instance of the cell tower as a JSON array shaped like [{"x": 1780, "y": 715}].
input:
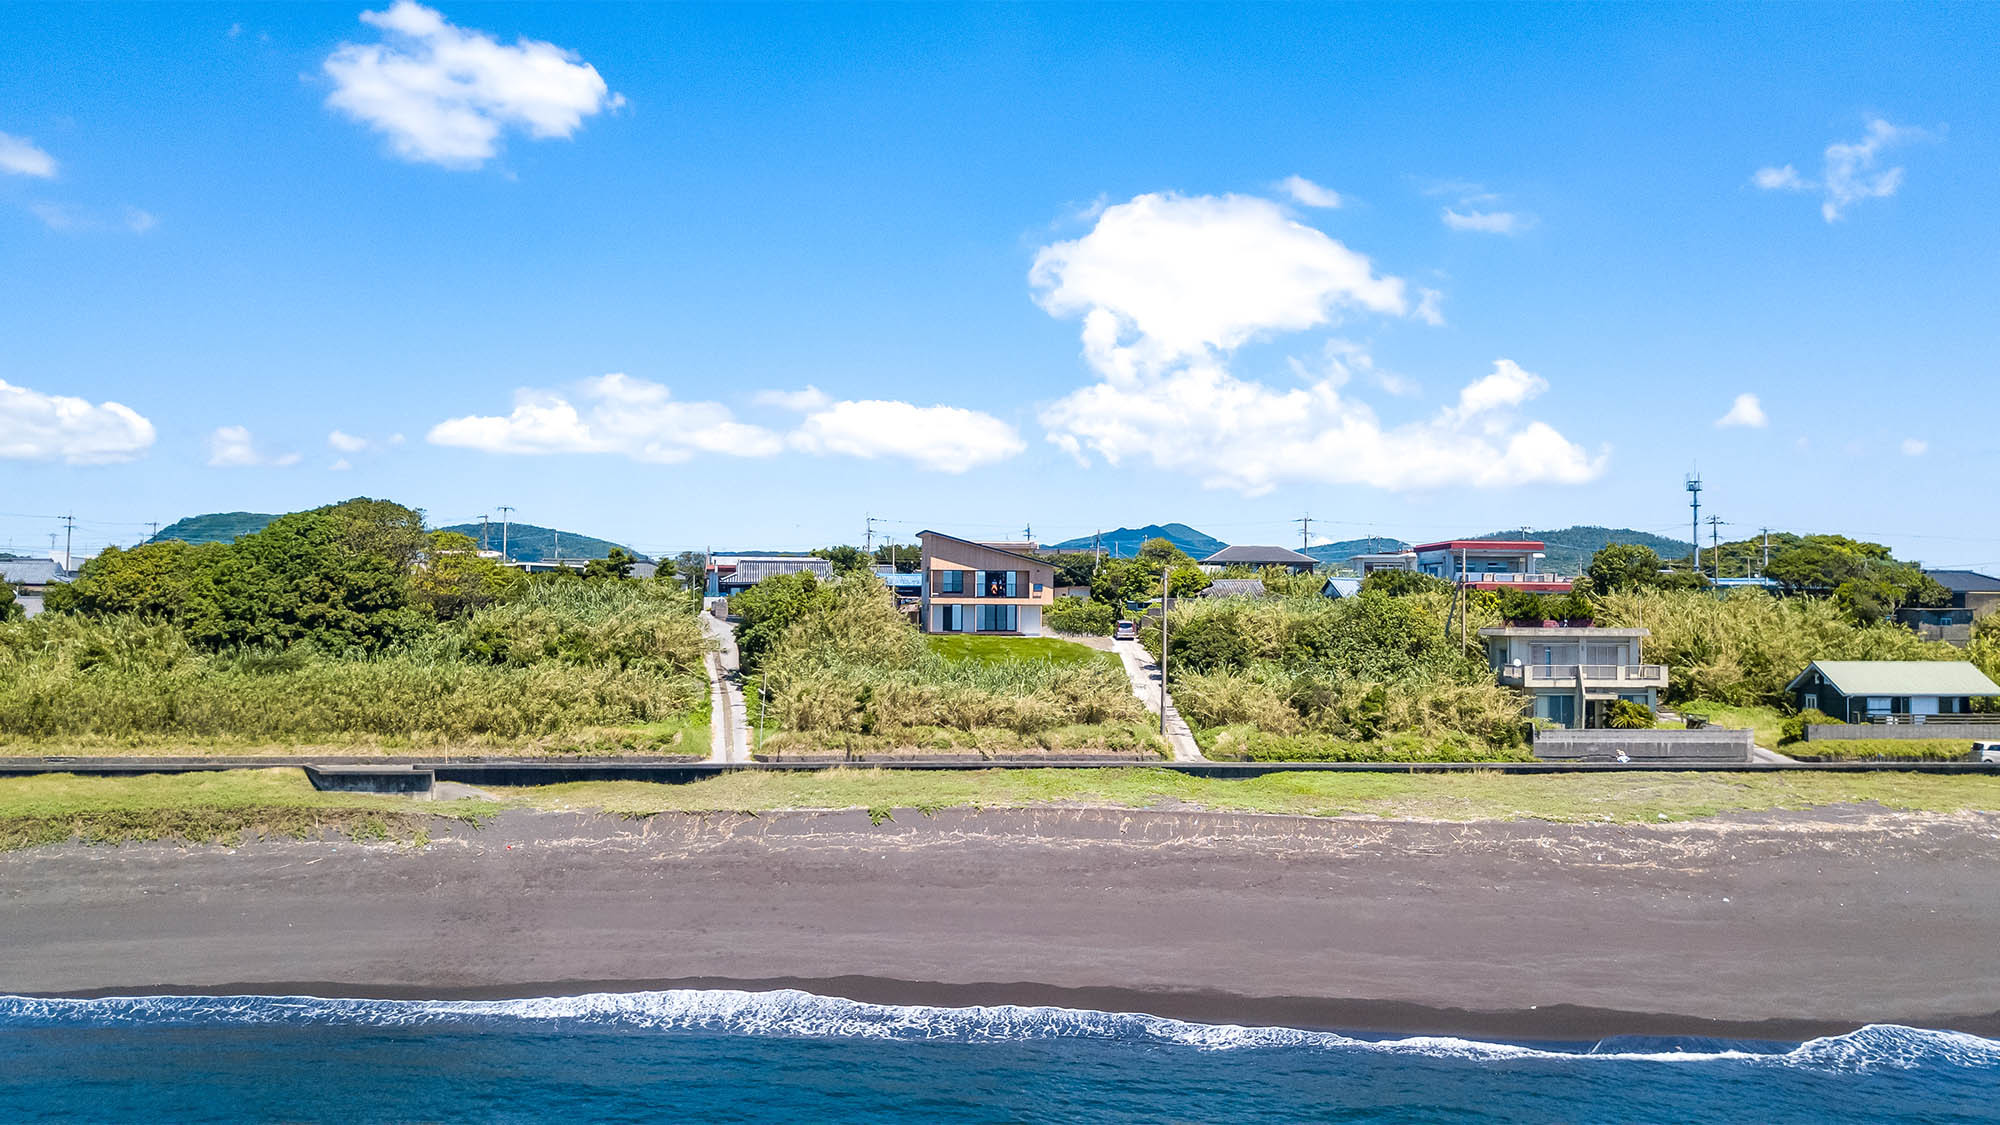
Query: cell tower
[{"x": 1694, "y": 498}]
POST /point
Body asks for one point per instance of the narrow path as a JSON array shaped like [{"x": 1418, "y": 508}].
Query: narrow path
[
  {"x": 728, "y": 726},
  {"x": 1144, "y": 673},
  {"x": 1759, "y": 754}
]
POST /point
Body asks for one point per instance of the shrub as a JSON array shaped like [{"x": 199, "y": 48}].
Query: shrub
[
  {"x": 1793, "y": 729},
  {"x": 1627, "y": 715},
  {"x": 1082, "y": 617}
]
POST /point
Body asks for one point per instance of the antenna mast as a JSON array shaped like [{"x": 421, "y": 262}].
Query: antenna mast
[{"x": 1694, "y": 498}]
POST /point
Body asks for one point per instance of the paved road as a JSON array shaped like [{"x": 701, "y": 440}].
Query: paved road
[
  {"x": 1145, "y": 676},
  {"x": 729, "y": 726}
]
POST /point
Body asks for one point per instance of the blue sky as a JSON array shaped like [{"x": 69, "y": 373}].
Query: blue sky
[{"x": 988, "y": 268}]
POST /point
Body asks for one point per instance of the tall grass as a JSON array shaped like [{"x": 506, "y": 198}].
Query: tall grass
[{"x": 567, "y": 657}]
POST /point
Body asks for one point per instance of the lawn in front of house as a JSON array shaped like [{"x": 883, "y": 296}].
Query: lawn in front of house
[{"x": 1003, "y": 650}]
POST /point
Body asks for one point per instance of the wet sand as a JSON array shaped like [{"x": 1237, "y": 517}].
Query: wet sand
[{"x": 1771, "y": 926}]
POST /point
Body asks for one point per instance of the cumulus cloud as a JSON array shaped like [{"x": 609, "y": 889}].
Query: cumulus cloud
[
  {"x": 1166, "y": 278},
  {"x": 618, "y": 414},
  {"x": 1308, "y": 194},
  {"x": 1746, "y": 411},
  {"x": 1167, "y": 287},
  {"x": 70, "y": 217},
  {"x": 20, "y": 157},
  {"x": 1915, "y": 447},
  {"x": 346, "y": 442},
  {"x": 231, "y": 447},
  {"x": 945, "y": 439},
  {"x": 809, "y": 398},
  {"x": 1851, "y": 172},
  {"x": 443, "y": 94},
  {"x": 1486, "y": 222},
  {"x": 41, "y": 427}
]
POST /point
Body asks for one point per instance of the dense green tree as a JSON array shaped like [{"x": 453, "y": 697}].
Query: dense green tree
[
  {"x": 770, "y": 607},
  {"x": 453, "y": 580},
  {"x": 616, "y": 564},
  {"x": 907, "y": 558},
  {"x": 10, "y": 610},
  {"x": 1074, "y": 568},
  {"x": 847, "y": 560},
  {"x": 1403, "y": 583}
]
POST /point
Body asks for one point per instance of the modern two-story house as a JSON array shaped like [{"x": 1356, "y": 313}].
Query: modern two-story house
[
  {"x": 1573, "y": 674},
  {"x": 1490, "y": 564},
  {"x": 974, "y": 587}
]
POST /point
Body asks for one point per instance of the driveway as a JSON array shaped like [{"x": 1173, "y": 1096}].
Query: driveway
[
  {"x": 1144, "y": 673},
  {"x": 729, "y": 725}
]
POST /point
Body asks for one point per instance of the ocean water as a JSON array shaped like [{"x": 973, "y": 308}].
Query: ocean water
[{"x": 717, "y": 1056}]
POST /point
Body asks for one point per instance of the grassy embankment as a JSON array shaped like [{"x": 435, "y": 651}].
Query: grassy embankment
[
  {"x": 1002, "y": 650},
  {"x": 220, "y": 807},
  {"x": 228, "y": 807}
]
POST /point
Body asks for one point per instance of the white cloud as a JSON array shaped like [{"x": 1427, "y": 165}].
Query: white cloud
[
  {"x": 231, "y": 447},
  {"x": 1779, "y": 178},
  {"x": 809, "y": 398},
  {"x": 1746, "y": 411},
  {"x": 1244, "y": 435},
  {"x": 1430, "y": 307},
  {"x": 1915, "y": 447},
  {"x": 443, "y": 94},
  {"x": 346, "y": 442},
  {"x": 1851, "y": 171},
  {"x": 20, "y": 157},
  {"x": 39, "y": 427},
  {"x": 1486, "y": 222},
  {"x": 340, "y": 466},
  {"x": 1166, "y": 278},
  {"x": 69, "y": 217},
  {"x": 1168, "y": 286},
  {"x": 619, "y": 414},
  {"x": 946, "y": 439},
  {"x": 1308, "y": 194}
]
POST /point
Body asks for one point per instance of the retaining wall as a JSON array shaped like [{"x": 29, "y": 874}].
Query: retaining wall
[
  {"x": 1707, "y": 744},
  {"x": 1848, "y": 732}
]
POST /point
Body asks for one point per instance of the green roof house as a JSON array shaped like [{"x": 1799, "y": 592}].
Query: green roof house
[{"x": 1884, "y": 691}]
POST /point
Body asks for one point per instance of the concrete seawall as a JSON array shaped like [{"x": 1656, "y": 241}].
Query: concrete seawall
[
  {"x": 1851, "y": 732},
  {"x": 1704, "y": 745}
]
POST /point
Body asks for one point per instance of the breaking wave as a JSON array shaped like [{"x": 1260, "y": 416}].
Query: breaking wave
[{"x": 794, "y": 1014}]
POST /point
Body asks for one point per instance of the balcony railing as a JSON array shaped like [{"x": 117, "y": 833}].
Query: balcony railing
[
  {"x": 1509, "y": 577},
  {"x": 1881, "y": 720},
  {"x": 1565, "y": 675}
]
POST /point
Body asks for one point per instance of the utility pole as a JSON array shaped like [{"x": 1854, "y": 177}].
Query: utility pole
[
  {"x": 1028, "y": 533},
  {"x": 1715, "y": 543},
  {"x": 153, "y": 529},
  {"x": 482, "y": 533},
  {"x": 1694, "y": 498},
  {"x": 558, "y": 548},
  {"x": 1305, "y": 523},
  {"x": 69, "y": 531},
  {"x": 1767, "y": 552},
  {"x": 1096, "y": 549},
  {"x": 868, "y": 533},
  {"x": 505, "y": 512},
  {"x": 1164, "y": 570}
]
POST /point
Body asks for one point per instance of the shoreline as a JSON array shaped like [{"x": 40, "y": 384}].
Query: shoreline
[
  {"x": 1556, "y": 1023},
  {"x": 1771, "y": 926}
]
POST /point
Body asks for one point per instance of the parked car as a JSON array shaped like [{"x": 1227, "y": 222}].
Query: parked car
[
  {"x": 1986, "y": 752},
  {"x": 1125, "y": 631}
]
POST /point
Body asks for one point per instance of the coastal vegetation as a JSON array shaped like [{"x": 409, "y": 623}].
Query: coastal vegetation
[
  {"x": 351, "y": 625},
  {"x": 239, "y": 805},
  {"x": 835, "y": 667}
]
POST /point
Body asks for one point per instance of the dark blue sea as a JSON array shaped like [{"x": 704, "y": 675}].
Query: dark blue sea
[{"x": 713, "y": 1056}]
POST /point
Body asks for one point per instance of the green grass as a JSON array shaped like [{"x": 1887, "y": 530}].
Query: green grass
[
  {"x": 1894, "y": 749},
  {"x": 207, "y": 807},
  {"x": 1466, "y": 796},
  {"x": 1139, "y": 736},
  {"x": 1764, "y": 721},
  {"x": 1003, "y": 650},
  {"x": 228, "y": 806},
  {"x": 1243, "y": 743}
]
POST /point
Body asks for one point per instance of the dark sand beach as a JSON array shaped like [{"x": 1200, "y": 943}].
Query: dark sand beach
[{"x": 1779, "y": 925}]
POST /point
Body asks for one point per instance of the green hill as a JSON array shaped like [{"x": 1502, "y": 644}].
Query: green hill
[
  {"x": 216, "y": 527},
  {"x": 1125, "y": 542},
  {"x": 1570, "y": 549},
  {"x": 527, "y": 542},
  {"x": 1338, "y": 553}
]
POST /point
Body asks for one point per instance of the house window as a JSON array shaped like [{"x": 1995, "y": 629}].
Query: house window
[
  {"x": 950, "y": 619},
  {"x": 1809, "y": 701},
  {"x": 999, "y": 583},
  {"x": 951, "y": 582},
  {"x": 997, "y": 619}
]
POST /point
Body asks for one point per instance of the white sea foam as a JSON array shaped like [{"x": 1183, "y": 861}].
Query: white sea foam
[{"x": 791, "y": 1013}]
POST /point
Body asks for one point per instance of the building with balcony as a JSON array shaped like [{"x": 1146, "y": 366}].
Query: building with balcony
[
  {"x": 1572, "y": 675},
  {"x": 1373, "y": 561},
  {"x": 1490, "y": 564},
  {"x": 1257, "y": 558},
  {"x": 974, "y": 587}
]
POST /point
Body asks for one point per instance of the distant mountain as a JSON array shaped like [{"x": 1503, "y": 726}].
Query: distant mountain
[
  {"x": 528, "y": 543},
  {"x": 1338, "y": 553},
  {"x": 216, "y": 527},
  {"x": 1125, "y": 542},
  {"x": 1569, "y": 549}
]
